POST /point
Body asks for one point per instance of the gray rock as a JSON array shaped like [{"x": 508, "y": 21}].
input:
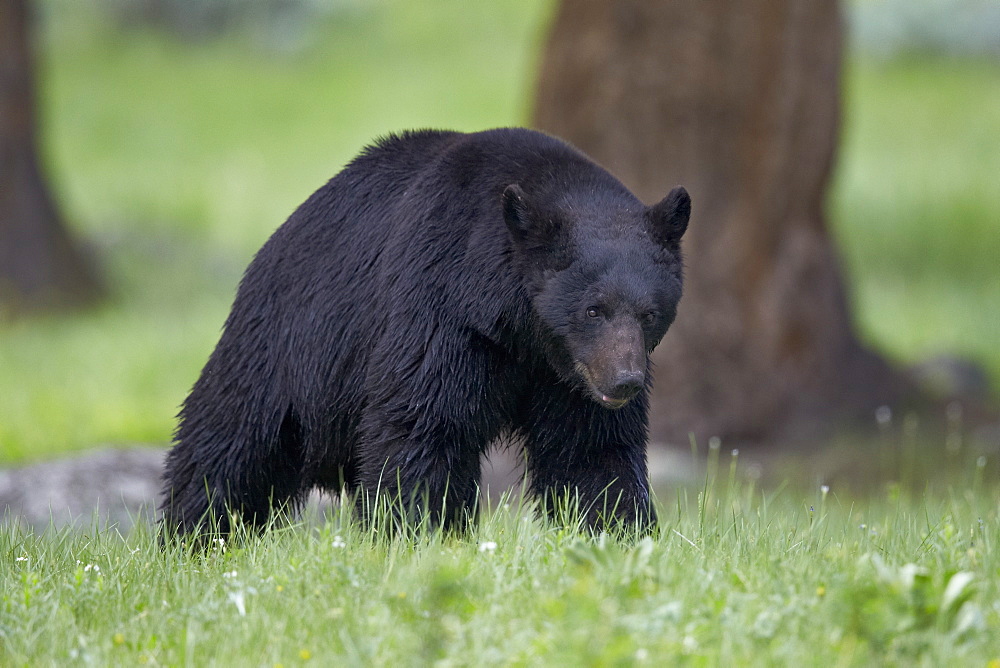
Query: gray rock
[
  {"x": 115, "y": 486},
  {"x": 119, "y": 487},
  {"x": 952, "y": 377}
]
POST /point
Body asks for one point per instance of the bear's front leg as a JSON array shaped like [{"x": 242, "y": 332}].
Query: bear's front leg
[
  {"x": 426, "y": 423},
  {"x": 582, "y": 456},
  {"x": 432, "y": 476}
]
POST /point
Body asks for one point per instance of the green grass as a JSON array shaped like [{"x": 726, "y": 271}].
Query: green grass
[
  {"x": 176, "y": 161},
  {"x": 735, "y": 577}
]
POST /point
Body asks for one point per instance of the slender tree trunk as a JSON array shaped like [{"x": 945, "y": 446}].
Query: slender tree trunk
[
  {"x": 39, "y": 264},
  {"x": 739, "y": 102}
]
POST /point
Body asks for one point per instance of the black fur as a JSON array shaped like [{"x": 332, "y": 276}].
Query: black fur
[{"x": 442, "y": 291}]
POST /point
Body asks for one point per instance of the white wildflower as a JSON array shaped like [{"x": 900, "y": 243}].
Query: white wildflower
[{"x": 237, "y": 598}]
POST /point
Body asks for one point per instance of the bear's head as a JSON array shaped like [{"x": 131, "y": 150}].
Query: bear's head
[{"x": 604, "y": 275}]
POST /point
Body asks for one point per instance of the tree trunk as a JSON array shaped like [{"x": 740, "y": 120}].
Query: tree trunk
[
  {"x": 739, "y": 102},
  {"x": 40, "y": 266}
]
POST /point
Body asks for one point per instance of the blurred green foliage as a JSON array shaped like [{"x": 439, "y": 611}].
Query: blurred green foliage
[
  {"x": 890, "y": 28},
  {"x": 916, "y": 206},
  {"x": 177, "y": 158}
]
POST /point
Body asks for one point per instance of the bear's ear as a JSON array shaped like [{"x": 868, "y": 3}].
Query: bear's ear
[
  {"x": 669, "y": 218},
  {"x": 529, "y": 228}
]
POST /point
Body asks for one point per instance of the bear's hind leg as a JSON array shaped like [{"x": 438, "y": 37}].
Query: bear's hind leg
[{"x": 252, "y": 471}]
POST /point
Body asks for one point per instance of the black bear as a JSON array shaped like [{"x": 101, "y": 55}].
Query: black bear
[{"x": 443, "y": 291}]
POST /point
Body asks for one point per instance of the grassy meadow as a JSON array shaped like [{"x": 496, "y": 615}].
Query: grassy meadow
[{"x": 175, "y": 160}]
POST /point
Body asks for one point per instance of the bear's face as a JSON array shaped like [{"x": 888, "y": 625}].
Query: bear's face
[{"x": 605, "y": 280}]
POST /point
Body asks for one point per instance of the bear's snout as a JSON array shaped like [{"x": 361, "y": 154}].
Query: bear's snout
[
  {"x": 628, "y": 385},
  {"x": 619, "y": 392},
  {"x": 616, "y": 371}
]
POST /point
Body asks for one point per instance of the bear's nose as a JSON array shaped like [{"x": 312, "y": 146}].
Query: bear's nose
[{"x": 628, "y": 385}]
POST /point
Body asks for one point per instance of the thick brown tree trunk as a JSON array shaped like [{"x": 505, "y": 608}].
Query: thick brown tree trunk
[
  {"x": 39, "y": 264},
  {"x": 737, "y": 100}
]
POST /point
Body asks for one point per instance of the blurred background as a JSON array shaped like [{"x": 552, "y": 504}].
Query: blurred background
[{"x": 175, "y": 135}]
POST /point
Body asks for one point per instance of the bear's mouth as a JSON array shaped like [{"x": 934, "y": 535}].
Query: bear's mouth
[
  {"x": 600, "y": 397},
  {"x": 608, "y": 402}
]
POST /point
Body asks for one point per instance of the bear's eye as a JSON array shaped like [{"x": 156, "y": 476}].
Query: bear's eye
[
  {"x": 649, "y": 318},
  {"x": 593, "y": 312}
]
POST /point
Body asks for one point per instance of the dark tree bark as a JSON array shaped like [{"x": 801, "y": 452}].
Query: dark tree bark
[
  {"x": 40, "y": 266},
  {"x": 739, "y": 102}
]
